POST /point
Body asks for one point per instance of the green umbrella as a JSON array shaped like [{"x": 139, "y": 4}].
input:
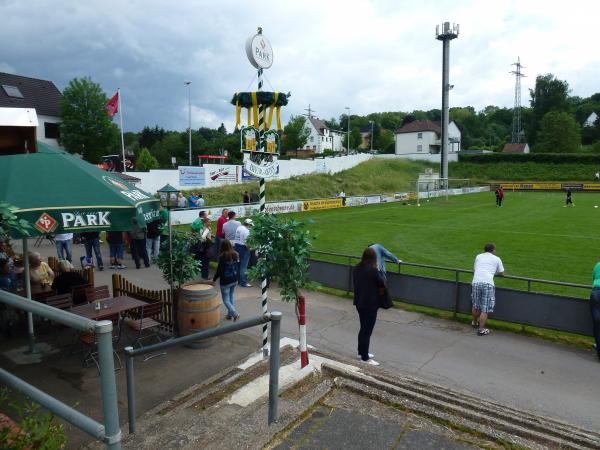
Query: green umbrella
[{"x": 58, "y": 192}]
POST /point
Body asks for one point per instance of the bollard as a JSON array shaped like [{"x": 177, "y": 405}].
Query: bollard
[
  {"x": 274, "y": 365},
  {"x": 108, "y": 385},
  {"x": 130, "y": 388}
]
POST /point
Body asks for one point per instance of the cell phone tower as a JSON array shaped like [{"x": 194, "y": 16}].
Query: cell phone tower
[
  {"x": 517, "y": 130},
  {"x": 446, "y": 34}
]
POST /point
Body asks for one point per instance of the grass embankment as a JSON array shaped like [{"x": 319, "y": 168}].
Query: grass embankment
[
  {"x": 522, "y": 171},
  {"x": 373, "y": 176}
]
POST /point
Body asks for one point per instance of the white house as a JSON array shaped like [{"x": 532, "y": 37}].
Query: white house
[
  {"x": 321, "y": 137},
  {"x": 591, "y": 120},
  {"x": 17, "y": 91},
  {"x": 423, "y": 137}
]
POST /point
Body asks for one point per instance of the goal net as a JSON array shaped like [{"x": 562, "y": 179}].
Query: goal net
[{"x": 432, "y": 186}]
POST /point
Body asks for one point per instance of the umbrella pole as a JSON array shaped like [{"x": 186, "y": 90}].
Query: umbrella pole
[
  {"x": 27, "y": 276},
  {"x": 174, "y": 306}
]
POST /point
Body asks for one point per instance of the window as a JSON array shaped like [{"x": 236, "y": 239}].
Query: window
[
  {"x": 12, "y": 91},
  {"x": 419, "y": 148},
  {"x": 312, "y": 138},
  {"x": 322, "y": 138},
  {"x": 419, "y": 135},
  {"x": 51, "y": 130}
]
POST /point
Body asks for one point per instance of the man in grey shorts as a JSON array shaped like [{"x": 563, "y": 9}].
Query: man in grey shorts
[{"x": 487, "y": 265}]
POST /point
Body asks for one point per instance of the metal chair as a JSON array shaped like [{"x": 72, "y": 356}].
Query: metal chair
[
  {"x": 147, "y": 319},
  {"x": 89, "y": 340}
]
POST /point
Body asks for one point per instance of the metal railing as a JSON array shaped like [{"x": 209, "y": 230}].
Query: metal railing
[
  {"x": 458, "y": 271},
  {"x": 274, "y": 317},
  {"x": 109, "y": 432}
]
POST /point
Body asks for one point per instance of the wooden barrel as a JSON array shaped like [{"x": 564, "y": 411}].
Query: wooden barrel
[{"x": 198, "y": 308}]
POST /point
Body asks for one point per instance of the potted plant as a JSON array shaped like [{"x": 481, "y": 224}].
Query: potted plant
[{"x": 283, "y": 247}]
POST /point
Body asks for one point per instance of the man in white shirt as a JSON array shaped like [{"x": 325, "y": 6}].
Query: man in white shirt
[
  {"x": 243, "y": 249},
  {"x": 64, "y": 244},
  {"x": 230, "y": 227},
  {"x": 487, "y": 265}
]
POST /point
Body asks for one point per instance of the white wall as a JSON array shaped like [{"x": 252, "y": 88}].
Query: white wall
[
  {"x": 41, "y": 134},
  {"x": 156, "y": 179},
  {"x": 408, "y": 143}
]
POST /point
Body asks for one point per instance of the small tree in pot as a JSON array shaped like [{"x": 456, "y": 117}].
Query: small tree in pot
[
  {"x": 283, "y": 247},
  {"x": 185, "y": 266}
]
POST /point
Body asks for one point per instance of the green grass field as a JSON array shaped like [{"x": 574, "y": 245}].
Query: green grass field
[{"x": 535, "y": 235}]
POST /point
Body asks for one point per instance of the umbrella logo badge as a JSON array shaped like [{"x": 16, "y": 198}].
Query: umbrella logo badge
[
  {"x": 115, "y": 183},
  {"x": 45, "y": 223}
]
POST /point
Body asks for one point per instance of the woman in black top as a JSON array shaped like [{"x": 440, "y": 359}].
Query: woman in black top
[
  {"x": 227, "y": 272},
  {"x": 368, "y": 285},
  {"x": 67, "y": 280}
]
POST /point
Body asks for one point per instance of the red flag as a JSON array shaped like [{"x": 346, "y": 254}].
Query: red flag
[{"x": 112, "y": 107}]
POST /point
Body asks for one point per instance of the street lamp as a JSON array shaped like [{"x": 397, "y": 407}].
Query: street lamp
[
  {"x": 168, "y": 199},
  {"x": 348, "y": 132},
  {"x": 371, "y": 122},
  {"x": 187, "y": 83}
]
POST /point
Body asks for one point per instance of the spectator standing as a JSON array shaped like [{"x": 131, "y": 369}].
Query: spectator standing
[
  {"x": 198, "y": 224},
  {"x": 138, "y": 244},
  {"x": 245, "y": 197},
  {"x": 483, "y": 290},
  {"x": 8, "y": 278},
  {"x": 116, "y": 245},
  {"x": 180, "y": 200},
  {"x": 243, "y": 249},
  {"x": 64, "y": 245},
  {"x": 254, "y": 197},
  {"x": 153, "y": 240},
  {"x": 222, "y": 220},
  {"x": 91, "y": 241},
  {"x": 343, "y": 197},
  {"x": 67, "y": 279},
  {"x": 202, "y": 250},
  {"x": 192, "y": 200},
  {"x": 595, "y": 306},
  {"x": 228, "y": 274},
  {"x": 500, "y": 196},
  {"x": 383, "y": 253},
  {"x": 368, "y": 287},
  {"x": 200, "y": 201},
  {"x": 231, "y": 226}
]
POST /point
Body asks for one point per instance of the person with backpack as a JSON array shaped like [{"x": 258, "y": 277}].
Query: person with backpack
[{"x": 227, "y": 271}]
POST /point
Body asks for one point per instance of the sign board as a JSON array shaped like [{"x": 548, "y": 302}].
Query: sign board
[
  {"x": 324, "y": 203},
  {"x": 264, "y": 168},
  {"x": 191, "y": 176},
  {"x": 259, "y": 51},
  {"x": 220, "y": 174}
]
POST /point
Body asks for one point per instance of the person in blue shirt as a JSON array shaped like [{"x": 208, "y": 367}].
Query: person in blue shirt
[
  {"x": 8, "y": 278},
  {"x": 383, "y": 254},
  {"x": 193, "y": 200}
]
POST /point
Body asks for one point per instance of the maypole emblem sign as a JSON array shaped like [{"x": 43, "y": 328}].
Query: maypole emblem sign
[{"x": 259, "y": 51}]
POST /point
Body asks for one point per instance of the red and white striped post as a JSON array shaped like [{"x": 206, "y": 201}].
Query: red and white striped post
[{"x": 302, "y": 323}]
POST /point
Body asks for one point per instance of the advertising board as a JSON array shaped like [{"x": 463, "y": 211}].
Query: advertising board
[
  {"x": 191, "y": 176},
  {"x": 323, "y": 203}
]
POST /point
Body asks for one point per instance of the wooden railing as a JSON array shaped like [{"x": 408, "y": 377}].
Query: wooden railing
[
  {"x": 121, "y": 286},
  {"x": 87, "y": 274}
]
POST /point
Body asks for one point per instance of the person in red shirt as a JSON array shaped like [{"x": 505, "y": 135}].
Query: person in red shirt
[
  {"x": 220, "y": 222},
  {"x": 500, "y": 195}
]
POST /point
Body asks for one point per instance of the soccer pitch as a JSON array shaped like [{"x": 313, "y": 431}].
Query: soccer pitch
[{"x": 534, "y": 234}]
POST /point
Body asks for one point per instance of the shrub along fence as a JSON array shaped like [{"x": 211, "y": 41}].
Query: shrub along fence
[{"x": 554, "y": 158}]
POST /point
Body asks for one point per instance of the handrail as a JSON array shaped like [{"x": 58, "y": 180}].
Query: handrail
[
  {"x": 109, "y": 433},
  {"x": 274, "y": 317},
  {"x": 455, "y": 269}
]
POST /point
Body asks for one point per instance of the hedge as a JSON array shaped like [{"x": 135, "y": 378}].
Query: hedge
[{"x": 554, "y": 158}]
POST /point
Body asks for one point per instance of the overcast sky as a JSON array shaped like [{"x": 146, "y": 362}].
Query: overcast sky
[{"x": 371, "y": 56}]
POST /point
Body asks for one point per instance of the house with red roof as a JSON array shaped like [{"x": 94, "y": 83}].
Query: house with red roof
[
  {"x": 423, "y": 137},
  {"x": 516, "y": 148}
]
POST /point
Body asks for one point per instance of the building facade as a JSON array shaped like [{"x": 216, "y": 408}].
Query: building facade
[
  {"x": 422, "y": 137},
  {"x": 17, "y": 91},
  {"x": 322, "y": 138}
]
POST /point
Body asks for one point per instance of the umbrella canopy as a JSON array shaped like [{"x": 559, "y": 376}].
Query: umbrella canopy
[{"x": 58, "y": 192}]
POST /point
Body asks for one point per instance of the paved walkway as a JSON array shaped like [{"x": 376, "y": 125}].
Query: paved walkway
[{"x": 550, "y": 379}]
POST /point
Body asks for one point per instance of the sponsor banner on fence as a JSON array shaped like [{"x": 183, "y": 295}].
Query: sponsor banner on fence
[
  {"x": 191, "y": 176},
  {"x": 324, "y": 203},
  {"x": 548, "y": 186},
  {"x": 219, "y": 174},
  {"x": 283, "y": 207},
  {"x": 365, "y": 200}
]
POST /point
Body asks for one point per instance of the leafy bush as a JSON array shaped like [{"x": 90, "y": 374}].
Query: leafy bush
[
  {"x": 35, "y": 430},
  {"x": 185, "y": 267},
  {"x": 553, "y": 158}
]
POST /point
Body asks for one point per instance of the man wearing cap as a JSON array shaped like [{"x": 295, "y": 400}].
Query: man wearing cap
[{"x": 241, "y": 236}]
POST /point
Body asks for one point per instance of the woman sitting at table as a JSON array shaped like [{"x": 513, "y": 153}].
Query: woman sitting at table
[
  {"x": 8, "y": 279},
  {"x": 40, "y": 273},
  {"x": 67, "y": 279}
]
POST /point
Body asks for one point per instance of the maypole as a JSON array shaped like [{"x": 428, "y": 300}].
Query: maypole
[{"x": 260, "y": 144}]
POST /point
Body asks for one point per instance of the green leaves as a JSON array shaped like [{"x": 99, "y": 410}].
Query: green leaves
[
  {"x": 10, "y": 223},
  {"x": 283, "y": 247},
  {"x": 185, "y": 267},
  {"x": 146, "y": 161}
]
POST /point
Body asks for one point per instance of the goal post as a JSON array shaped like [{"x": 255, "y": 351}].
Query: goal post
[{"x": 427, "y": 187}]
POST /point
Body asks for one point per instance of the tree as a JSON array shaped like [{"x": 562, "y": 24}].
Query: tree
[
  {"x": 10, "y": 223},
  {"x": 146, "y": 161},
  {"x": 150, "y": 136},
  {"x": 386, "y": 142},
  {"x": 295, "y": 134},
  {"x": 86, "y": 127},
  {"x": 355, "y": 137},
  {"x": 549, "y": 94},
  {"x": 559, "y": 133},
  {"x": 222, "y": 129}
]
